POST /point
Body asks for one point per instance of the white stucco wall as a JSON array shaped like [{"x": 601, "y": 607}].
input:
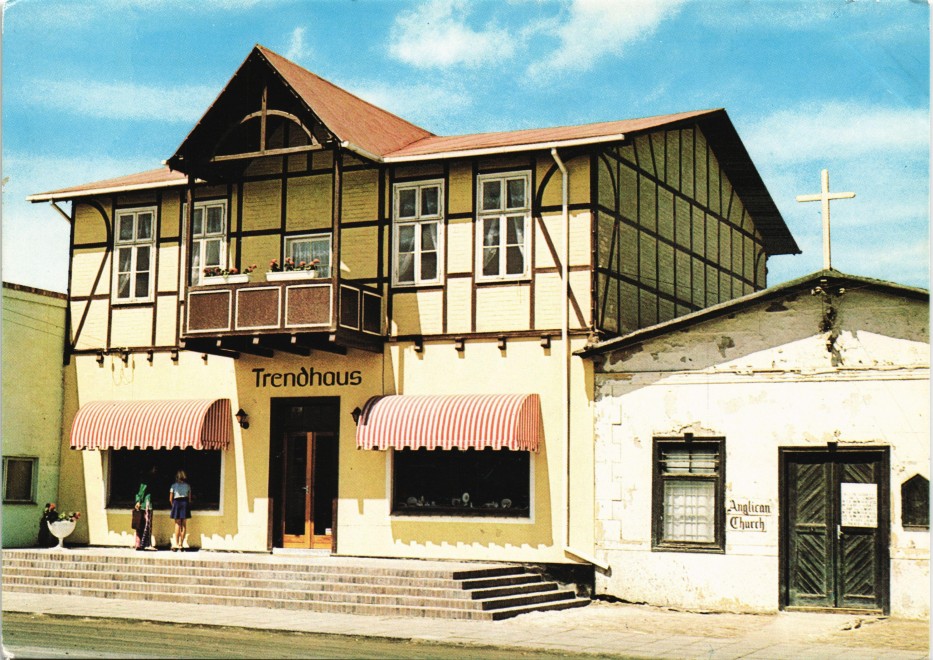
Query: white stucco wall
[{"x": 762, "y": 379}]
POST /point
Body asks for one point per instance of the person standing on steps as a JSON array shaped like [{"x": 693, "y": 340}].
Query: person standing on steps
[{"x": 179, "y": 497}]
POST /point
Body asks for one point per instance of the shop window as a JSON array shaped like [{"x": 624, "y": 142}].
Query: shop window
[
  {"x": 915, "y": 503},
  {"x": 688, "y": 494},
  {"x": 418, "y": 242},
  {"x": 208, "y": 237},
  {"x": 19, "y": 479},
  {"x": 157, "y": 468},
  {"x": 504, "y": 219},
  {"x": 133, "y": 247},
  {"x": 452, "y": 482},
  {"x": 309, "y": 247}
]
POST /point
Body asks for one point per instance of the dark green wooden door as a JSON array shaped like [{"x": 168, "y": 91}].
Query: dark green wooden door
[{"x": 835, "y": 529}]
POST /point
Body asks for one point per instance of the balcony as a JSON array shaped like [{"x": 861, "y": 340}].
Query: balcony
[{"x": 295, "y": 316}]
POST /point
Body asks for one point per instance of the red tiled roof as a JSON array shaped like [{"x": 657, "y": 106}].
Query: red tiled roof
[
  {"x": 160, "y": 178},
  {"x": 535, "y": 136},
  {"x": 347, "y": 116}
]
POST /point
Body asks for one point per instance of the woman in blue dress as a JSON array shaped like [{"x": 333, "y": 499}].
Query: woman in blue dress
[{"x": 179, "y": 496}]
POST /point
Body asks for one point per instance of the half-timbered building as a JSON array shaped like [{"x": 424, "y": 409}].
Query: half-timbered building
[{"x": 400, "y": 361}]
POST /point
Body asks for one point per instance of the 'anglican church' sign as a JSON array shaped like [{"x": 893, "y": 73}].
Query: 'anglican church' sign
[{"x": 748, "y": 516}]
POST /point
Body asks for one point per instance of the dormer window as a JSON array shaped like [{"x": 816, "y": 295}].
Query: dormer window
[
  {"x": 418, "y": 245},
  {"x": 504, "y": 220}
]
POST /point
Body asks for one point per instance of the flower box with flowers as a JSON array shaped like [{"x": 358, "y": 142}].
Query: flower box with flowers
[
  {"x": 289, "y": 270},
  {"x": 217, "y": 275}
]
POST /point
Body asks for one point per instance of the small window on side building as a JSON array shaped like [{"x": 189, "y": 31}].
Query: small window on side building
[
  {"x": 688, "y": 490},
  {"x": 915, "y": 503},
  {"x": 19, "y": 479}
]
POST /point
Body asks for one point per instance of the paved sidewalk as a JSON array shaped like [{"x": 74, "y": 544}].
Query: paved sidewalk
[{"x": 601, "y": 628}]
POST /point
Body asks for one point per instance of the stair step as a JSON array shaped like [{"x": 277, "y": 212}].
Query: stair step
[{"x": 403, "y": 588}]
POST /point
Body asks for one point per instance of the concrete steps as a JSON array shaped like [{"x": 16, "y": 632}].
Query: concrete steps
[{"x": 453, "y": 590}]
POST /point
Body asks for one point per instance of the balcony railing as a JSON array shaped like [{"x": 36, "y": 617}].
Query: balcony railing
[{"x": 294, "y": 308}]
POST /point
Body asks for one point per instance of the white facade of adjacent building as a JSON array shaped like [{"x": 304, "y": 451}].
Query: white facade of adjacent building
[{"x": 772, "y": 452}]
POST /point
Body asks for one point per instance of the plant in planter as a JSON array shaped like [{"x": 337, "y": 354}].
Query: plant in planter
[
  {"x": 289, "y": 270},
  {"x": 61, "y": 524},
  {"x": 218, "y": 275}
]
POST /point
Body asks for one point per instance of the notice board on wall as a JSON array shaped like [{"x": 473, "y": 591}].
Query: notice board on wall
[{"x": 859, "y": 505}]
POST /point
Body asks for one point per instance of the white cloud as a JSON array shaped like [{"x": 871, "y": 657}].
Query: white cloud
[
  {"x": 435, "y": 35},
  {"x": 838, "y": 130},
  {"x": 595, "y": 28},
  {"x": 297, "y": 48},
  {"x": 121, "y": 100}
]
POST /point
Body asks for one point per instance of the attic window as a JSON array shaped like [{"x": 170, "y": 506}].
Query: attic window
[{"x": 282, "y": 132}]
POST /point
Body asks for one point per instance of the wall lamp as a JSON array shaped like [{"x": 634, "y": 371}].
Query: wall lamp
[
  {"x": 355, "y": 414},
  {"x": 545, "y": 341},
  {"x": 174, "y": 355},
  {"x": 502, "y": 343},
  {"x": 459, "y": 344},
  {"x": 100, "y": 358},
  {"x": 419, "y": 344},
  {"x": 242, "y": 418}
]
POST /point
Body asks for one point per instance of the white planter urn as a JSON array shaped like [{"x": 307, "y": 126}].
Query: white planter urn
[
  {"x": 240, "y": 278},
  {"x": 285, "y": 275},
  {"x": 60, "y": 529}
]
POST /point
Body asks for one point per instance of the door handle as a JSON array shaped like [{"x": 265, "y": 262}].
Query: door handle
[{"x": 838, "y": 531}]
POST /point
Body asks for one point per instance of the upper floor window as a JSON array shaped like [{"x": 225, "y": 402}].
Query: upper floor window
[
  {"x": 133, "y": 246},
  {"x": 418, "y": 238},
  {"x": 688, "y": 494},
  {"x": 208, "y": 238},
  {"x": 307, "y": 248},
  {"x": 505, "y": 219}
]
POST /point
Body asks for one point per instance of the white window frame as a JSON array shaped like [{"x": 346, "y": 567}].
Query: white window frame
[
  {"x": 323, "y": 237},
  {"x": 203, "y": 237},
  {"x": 502, "y": 214},
  {"x": 418, "y": 220},
  {"x": 33, "y": 478},
  {"x": 133, "y": 244}
]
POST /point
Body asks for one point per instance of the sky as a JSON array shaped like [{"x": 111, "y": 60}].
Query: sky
[{"x": 97, "y": 89}]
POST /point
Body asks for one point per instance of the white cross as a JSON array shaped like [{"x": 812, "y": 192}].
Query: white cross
[{"x": 824, "y": 197}]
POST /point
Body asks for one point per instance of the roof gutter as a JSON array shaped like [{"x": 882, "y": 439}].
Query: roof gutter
[
  {"x": 360, "y": 151},
  {"x": 66, "y": 195},
  {"x": 489, "y": 151}
]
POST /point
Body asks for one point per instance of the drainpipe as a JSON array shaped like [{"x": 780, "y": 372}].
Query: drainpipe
[{"x": 565, "y": 342}]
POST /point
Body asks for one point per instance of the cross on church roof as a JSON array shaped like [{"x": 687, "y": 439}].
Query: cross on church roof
[{"x": 825, "y": 196}]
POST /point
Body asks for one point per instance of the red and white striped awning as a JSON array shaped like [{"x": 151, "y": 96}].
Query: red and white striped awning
[
  {"x": 183, "y": 424},
  {"x": 463, "y": 421}
]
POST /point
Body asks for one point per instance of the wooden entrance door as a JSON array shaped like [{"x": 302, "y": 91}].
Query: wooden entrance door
[
  {"x": 835, "y": 529},
  {"x": 309, "y": 467}
]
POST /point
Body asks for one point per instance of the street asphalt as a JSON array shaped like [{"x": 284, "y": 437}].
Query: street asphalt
[{"x": 602, "y": 628}]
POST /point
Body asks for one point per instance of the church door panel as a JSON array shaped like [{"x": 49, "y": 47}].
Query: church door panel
[{"x": 835, "y": 540}]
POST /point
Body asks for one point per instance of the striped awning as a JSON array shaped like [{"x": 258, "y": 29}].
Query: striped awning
[
  {"x": 462, "y": 421},
  {"x": 182, "y": 424}
]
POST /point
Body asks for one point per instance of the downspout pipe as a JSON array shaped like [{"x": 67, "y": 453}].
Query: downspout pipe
[{"x": 565, "y": 366}]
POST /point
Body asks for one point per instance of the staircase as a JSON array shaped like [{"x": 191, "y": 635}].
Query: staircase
[{"x": 385, "y": 587}]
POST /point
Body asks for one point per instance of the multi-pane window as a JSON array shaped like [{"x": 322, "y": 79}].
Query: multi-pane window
[
  {"x": 688, "y": 494},
  {"x": 418, "y": 236},
  {"x": 309, "y": 247},
  {"x": 19, "y": 479},
  {"x": 208, "y": 238},
  {"x": 504, "y": 220},
  {"x": 133, "y": 248}
]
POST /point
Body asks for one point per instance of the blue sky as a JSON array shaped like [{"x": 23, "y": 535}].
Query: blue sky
[{"x": 98, "y": 89}]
